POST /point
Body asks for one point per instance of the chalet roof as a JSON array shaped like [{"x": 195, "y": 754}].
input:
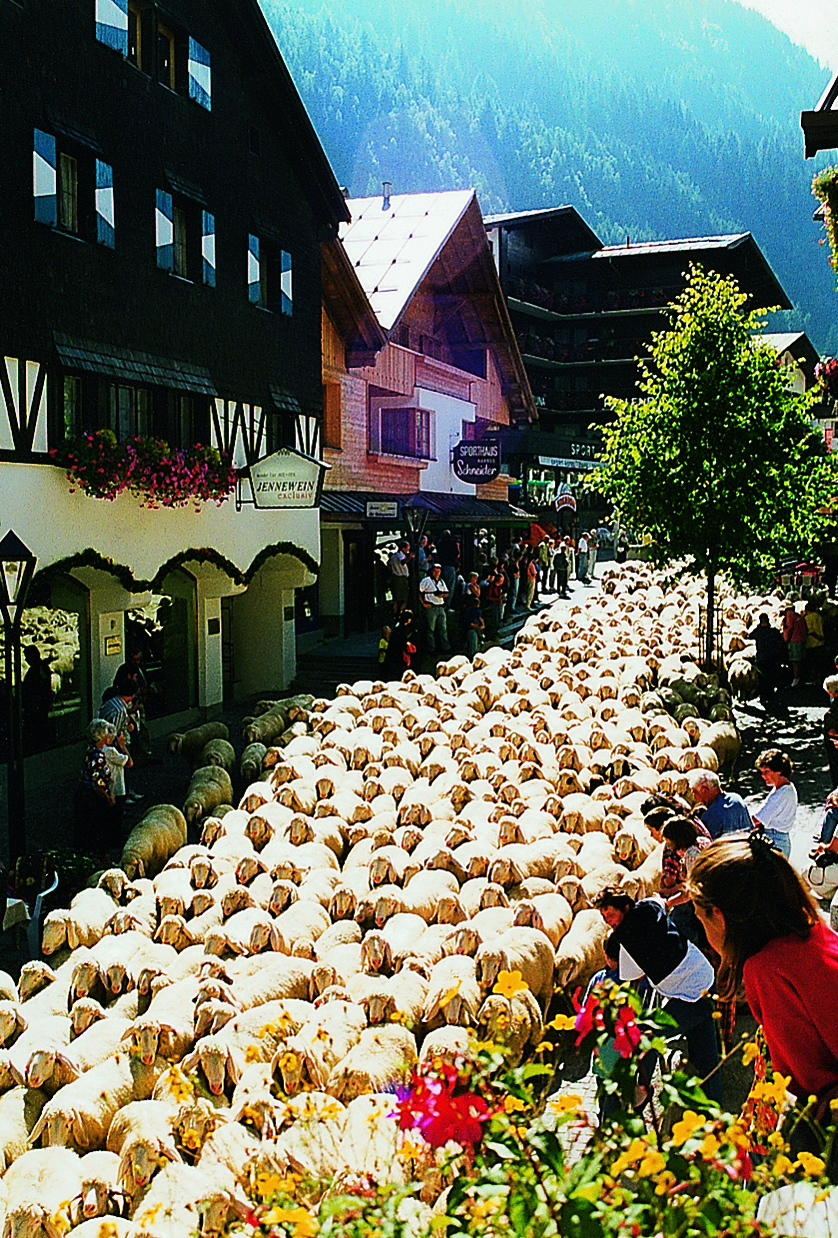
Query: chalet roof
[
  {"x": 348, "y": 307},
  {"x": 744, "y": 254},
  {"x": 798, "y": 343},
  {"x": 438, "y": 239},
  {"x": 393, "y": 249},
  {"x": 571, "y": 222},
  {"x": 820, "y": 127}
]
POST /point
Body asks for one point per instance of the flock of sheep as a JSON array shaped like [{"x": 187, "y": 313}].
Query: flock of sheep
[{"x": 251, "y": 1000}]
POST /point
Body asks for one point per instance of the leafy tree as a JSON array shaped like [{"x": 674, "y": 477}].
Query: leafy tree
[{"x": 718, "y": 462}]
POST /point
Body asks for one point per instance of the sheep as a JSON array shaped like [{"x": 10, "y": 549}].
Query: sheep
[
  {"x": 218, "y": 752},
  {"x": 209, "y": 787},
  {"x": 551, "y": 913},
  {"x": 153, "y": 840},
  {"x": 247, "y": 932},
  {"x": 81, "y": 1113},
  {"x": 269, "y": 977},
  {"x": 185, "y": 1199},
  {"x": 141, "y": 1134},
  {"x": 453, "y": 993},
  {"x": 304, "y": 921},
  {"x": 99, "y": 1194},
  {"x": 315, "y": 1050},
  {"x": 518, "y": 949},
  {"x": 335, "y": 966},
  {"x": 38, "y": 1182},
  {"x": 580, "y": 953},
  {"x": 190, "y": 744},
  {"x": 20, "y": 1109},
  {"x": 514, "y": 1022},
  {"x": 383, "y": 1056},
  {"x": 252, "y": 762},
  {"x": 90, "y": 910},
  {"x": 402, "y": 996}
]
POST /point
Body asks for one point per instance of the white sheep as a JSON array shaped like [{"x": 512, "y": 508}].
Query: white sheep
[
  {"x": 383, "y": 1056},
  {"x": 519, "y": 949},
  {"x": 80, "y": 1114}
]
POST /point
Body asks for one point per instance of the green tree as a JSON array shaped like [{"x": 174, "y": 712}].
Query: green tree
[{"x": 718, "y": 463}]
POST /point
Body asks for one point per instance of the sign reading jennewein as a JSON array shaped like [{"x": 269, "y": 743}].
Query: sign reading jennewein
[
  {"x": 285, "y": 479},
  {"x": 476, "y": 463}
]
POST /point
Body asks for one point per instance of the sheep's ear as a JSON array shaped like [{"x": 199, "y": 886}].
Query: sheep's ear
[
  {"x": 38, "y": 1129},
  {"x": 69, "y": 1070},
  {"x": 140, "y": 869},
  {"x": 232, "y": 1068},
  {"x": 79, "y": 1132},
  {"x": 165, "y": 1038},
  {"x": 16, "y": 1075}
]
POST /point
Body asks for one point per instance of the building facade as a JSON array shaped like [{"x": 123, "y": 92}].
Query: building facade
[{"x": 164, "y": 206}]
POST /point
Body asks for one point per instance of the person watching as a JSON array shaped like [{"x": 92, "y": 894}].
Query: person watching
[{"x": 724, "y": 812}]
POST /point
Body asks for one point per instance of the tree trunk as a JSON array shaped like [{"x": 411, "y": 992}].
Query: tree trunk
[{"x": 711, "y": 617}]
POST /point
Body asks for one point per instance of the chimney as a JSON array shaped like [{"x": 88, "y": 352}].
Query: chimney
[{"x": 385, "y": 205}]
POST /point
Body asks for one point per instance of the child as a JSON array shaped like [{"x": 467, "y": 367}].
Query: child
[{"x": 383, "y": 643}]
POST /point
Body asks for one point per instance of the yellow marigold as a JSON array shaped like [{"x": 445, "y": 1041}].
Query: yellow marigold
[
  {"x": 665, "y": 1182},
  {"x": 653, "y": 1162},
  {"x": 686, "y": 1128},
  {"x": 569, "y": 1103},
  {"x": 783, "y": 1165},
  {"x": 709, "y": 1146},
  {"x": 509, "y": 983},
  {"x": 750, "y": 1051},
  {"x": 304, "y": 1223},
  {"x": 633, "y": 1153},
  {"x": 562, "y": 1023},
  {"x": 811, "y": 1164},
  {"x": 544, "y": 1047},
  {"x": 511, "y": 1104},
  {"x": 269, "y": 1184}
]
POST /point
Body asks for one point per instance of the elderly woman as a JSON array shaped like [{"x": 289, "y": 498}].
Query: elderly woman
[{"x": 93, "y": 802}]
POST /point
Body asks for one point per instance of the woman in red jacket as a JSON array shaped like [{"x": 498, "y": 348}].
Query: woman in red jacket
[
  {"x": 760, "y": 917},
  {"x": 795, "y": 634}
]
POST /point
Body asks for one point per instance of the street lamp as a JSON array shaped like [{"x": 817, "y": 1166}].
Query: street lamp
[{"x": 17, "y": 567}]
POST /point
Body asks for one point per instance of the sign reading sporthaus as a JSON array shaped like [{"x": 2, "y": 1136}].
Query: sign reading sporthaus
[{"x": 477, "y": 463}]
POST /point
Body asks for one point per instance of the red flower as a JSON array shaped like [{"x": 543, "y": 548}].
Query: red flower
[
  {"x": 626, "y": 1033},
  {"x": 589, "y": 1018},
  {"x": 440, "y": 1113}
]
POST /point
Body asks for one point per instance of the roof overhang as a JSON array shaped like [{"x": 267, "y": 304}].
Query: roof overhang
[
  {"x": 346, "y": 304},
  {"x": 820, "y": 127}
]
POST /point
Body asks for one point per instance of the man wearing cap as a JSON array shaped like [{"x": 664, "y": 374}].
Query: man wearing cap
[
  {"x": 397, "y": 566},
  {"x": 433, "y": 592}
]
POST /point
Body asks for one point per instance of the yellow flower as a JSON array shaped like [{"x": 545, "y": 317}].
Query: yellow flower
[
  {"x": 562, "y": 1023},
  {"x": 150, "y": 1215},
  {"x": 738, "y": 1136},
  {"x": 566, "y": 1104},
  {"x": 511, "y": 1104},
  {"x": 509, "y": 983},
  {"x": 776, "y": 1140},
  {"x": 709, "y": 1146},
  {"x": 287, "y": 1060},
  {"x": 774, "y": 1093},
  {"x": 544, "y": 1047},
  {"x": 750, "y": 1051},
  {"x": 636, "y": 1149},
  {"x": 451, "y": 994},
  {"x": 686, "y": 1128},
  {"x": 810, "y": 1164},
  {"x": 331, "y": 1111},
  {"x": 783, "y": 1165},
  {"x": 191, "y": 1139},
  {"x": 409, "y": 1151},
  {"x": 653, "y": 1162},
  {"x": 665, "y": 1182},
  {"x": 269, "y": 1184},
  {"x": 480, "y": 1209},
  {"x": 252, "y": 1054},
  {"x": 304, "y": 1223}
]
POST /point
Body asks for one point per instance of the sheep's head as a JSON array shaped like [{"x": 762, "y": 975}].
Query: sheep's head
[
  {"x": 450, "y": 910},
  {"x": 343, "y": 904},
  {"x": 12, "y": 1022},
  {"x": 376, "y": 955},
  {"x": 34, "y": 977},
  {"x": 141, "y": 1159},
  {"x": 490, "y": 962},
  {"x": 386, "y": 905}
]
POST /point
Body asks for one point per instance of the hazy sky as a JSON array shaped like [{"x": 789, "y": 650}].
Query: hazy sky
[{"x": 811, "y": 23}]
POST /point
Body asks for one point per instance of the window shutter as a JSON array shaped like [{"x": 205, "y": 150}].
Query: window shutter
[
  {"x": 286, "y": 287},
  {"x": 200, "y": 75},
  {"x": 44, "y": 178},
  {"x": 165, "y": 231},
  {"x": 105, "y": 234},
  {"x": 254, "y": 282},
  {"x": 112, "y": 24},
  {"x": 208, "y": 248}
]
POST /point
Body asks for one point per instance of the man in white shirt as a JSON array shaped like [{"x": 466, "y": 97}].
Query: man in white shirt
[
  {"x": 397, "y": 566},
  {"x": 433, "y": 592}
]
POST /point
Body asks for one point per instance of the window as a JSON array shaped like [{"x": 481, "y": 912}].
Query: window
[
  {"x": 400, "y": 431},
  {"x": 72, "y": 419},
  {"x": 73, "y": 190},
  {"x": 331, "y": 415},
  {"x": 269, "y": 276},
  {"x": 157, "y": 46},
  {"x": 129, "y": 411},
  {"x": 185, "y": 238}
]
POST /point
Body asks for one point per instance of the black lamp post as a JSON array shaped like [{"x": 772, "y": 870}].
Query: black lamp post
[{"x": 17, "y": 567}]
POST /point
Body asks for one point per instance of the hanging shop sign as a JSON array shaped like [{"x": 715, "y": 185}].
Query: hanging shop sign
[
  {"x": 565, "y": 498},
  {"x": 286, "y": 479},
  {"x": 476, "y": 463}
]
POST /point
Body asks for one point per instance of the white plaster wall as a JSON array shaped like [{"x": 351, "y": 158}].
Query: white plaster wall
[
  {"x": 54, "y": 524},
  {"x": 331, "y": 571},
  {"x": 450, "y": 415},
  {"x": 263, "y": 637}
]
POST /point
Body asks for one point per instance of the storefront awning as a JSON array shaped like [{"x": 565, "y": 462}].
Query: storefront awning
[
  {"x": 369, "y": 506},
  {"x": 129, "y": 366}
]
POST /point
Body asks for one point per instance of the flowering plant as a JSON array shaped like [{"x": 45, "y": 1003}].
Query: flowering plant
[
  {"x": 496, "y": 1153},
  {"x": 825, "y": 189},
  {"x": 159, "y": 475},
  {"x": 826, "y": 372}
]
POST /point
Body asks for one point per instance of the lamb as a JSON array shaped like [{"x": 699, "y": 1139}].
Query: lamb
[
  {"x": 153, "y": 841},
  {"x": 382, "y": 1057},
  {"x": 519, "y": 949},
  {"x": 81, "y": 1113}
]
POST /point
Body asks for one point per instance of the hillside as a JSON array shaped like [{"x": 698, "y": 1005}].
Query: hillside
[{"x": 650, "y": 119}]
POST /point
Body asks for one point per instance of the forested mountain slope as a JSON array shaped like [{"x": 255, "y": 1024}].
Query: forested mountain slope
[{"x": 652, "y": 120}]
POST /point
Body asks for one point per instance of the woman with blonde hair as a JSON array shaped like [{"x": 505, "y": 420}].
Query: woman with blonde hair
[{"x": 760, "y": 918}]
